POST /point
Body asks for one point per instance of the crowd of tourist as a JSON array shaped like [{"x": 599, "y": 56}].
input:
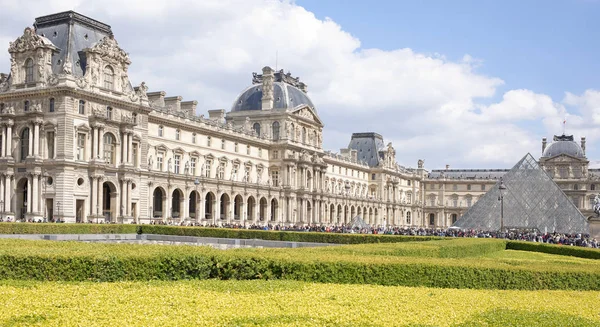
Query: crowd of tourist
[{"x": 583, "y": 240}]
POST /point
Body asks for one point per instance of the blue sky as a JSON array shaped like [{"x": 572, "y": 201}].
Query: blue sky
[
  {"x": 398, "y": 68},
  {"x": 545, "y": 46}
]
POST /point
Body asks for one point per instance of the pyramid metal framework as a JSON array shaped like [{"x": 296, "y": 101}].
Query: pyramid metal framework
[
  {"x": 358, "y": 222},
  {"x": 532, "y": 200}
]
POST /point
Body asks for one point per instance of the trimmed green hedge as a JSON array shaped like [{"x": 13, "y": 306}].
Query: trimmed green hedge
[
  {"x": 40, "y": 260},
  {"x": 316, "y": 237},
  {"x": 40, "y": 228},
  {"x": 335, "y": 238},
  {"x": 574, "y": 251}
]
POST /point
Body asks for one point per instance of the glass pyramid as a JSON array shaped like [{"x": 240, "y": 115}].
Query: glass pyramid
[{"x": 531, "y": 201}]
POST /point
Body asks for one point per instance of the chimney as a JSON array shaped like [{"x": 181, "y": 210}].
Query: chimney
[
  {"x": 216, "y": 114},
  {"x": 267, "y": 88},
  {"x": 447, "y": 167},
  {"x": 157, "y": 98},
  {"x": 174, "y": 102},
  {"x": 543, "y": 145},
  {"x": 583, "y": 144},
  {"x": 189, "y": 107}
]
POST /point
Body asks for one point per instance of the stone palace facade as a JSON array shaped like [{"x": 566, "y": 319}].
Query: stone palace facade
[{"x": 79, "y": 143}]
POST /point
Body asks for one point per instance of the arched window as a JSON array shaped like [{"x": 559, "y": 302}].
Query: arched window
[
  {"x": 256, "y": 128},
  {"x": 109, "y": 75},
  {"x": 24, "y": 143},
  {"x": 160, "y": 130},
  {"x": 304, "y": 135},
  {"x": 51, "y": 106},
  {"x": 109, "y": 148},
  {"x": 29, "y": 70},
  {"x": 276, "y": 131}
]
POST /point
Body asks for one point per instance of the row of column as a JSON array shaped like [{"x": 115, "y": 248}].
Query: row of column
[
  {"x": 126, "y": 147},
  {"x": 6, "y": 138},
  {"x": 97, "y": 144}
]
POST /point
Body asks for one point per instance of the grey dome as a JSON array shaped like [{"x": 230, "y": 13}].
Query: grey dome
[
  {"x": 285, "y": 96},
  {"x": 567, "y": 147}
]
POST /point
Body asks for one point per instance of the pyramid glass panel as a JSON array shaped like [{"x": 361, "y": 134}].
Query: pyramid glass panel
[
  {"x": 532, "y": 200},
  {"x": 358, "y": 222}
]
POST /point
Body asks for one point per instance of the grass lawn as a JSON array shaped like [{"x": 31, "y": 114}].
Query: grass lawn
[{"x": 285, "y": 303}]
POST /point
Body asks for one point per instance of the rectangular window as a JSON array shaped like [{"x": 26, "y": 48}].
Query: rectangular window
[
  {"x": 275, "y": 178},
  {"x": 109, "y": 112},
  {"x": 177, "y": 160},
  {"x": 81, "y": 107},
  {"x": 469, "y": 200},
  {"x": 50, "y": 143},
  {"x": 248, "y": 150},
  {"x": 222, "y": 144},
  {"x": 234, "y": 172},
  {"x": 275, "y": 154},
  {"x": 409, "y": 198},
  {"x": 373, "y": 176},
  {"x": 160, "y": 131},
  {"x": 51, "y": 106},
  {"x": 483, "y": 187},
  {"x": 454, "y": 187},
  {"x": 260, "y": 153},
  {"x": 26, "y": 106},
  {"x": 208, "y": 139},
  {"x": 134, "y": 117},
  {"x": 159, "y": 161},
  {"x": 80, "y": 146},
  {"x": 468, "y": 187},
  {"x": 207, "y": 168},
  {"x": 236, "y": 147},
  {"x": 194, "y": 138},
  {"x": 193, "y": 166},
  {"x": 221, "y": 171},
  {"x": 455, "y": 203}
]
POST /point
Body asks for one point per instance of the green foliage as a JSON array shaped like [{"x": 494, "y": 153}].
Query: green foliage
[
  {"x": 349, "y": 264},
  {"x": 574, "y": 251},
  {"x": 38, "y": 228}
]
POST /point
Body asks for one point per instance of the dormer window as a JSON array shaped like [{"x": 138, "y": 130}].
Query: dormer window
[
  {"x": 29, "y": 70},
  {"x": 109, "y": 75}
]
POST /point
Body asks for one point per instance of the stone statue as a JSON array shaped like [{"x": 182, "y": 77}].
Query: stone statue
[
  {"x": 150, "y": 163},
  {"x": 597, "y": 205},
  {"x": 142, "y": 90},
  {"x": 13, "y": 68},
  {"x": 247, "y": 125},
  {"x": 187, "y": 167},
  {"x": 169, "y": 165}
]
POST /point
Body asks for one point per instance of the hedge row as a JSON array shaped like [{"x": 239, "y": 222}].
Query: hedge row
[
  {"x": 574, "y": 251},
  {"x": 336, "y": 238},
  {"x": 227, "y": 266},
  {"x": 39, "y": 228},
  {"x": 315, "y": 237}
]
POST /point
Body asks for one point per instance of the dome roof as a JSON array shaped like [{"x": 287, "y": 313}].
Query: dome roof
[
  {"x": 285, "y": 96},
  {"x": 563, "y": 145}
]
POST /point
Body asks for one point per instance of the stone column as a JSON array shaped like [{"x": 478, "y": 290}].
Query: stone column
[
  {"x": 30, "y": 148},
  {"x": 124, "y": 149},
  {"x": 2, "y": 190},
  {"x": 100, "y": 208},
  {"x": 100, "y": 143},
  {"x": 123, "y": 197},
  {"x": 129, "y": 148},
  {"x": 169, "y": 202},
  {"x": 217, "y": 209},
  {"x": 128, "y": 202},
  {"x": 200, "y": 208},
  {"x": 186, "y": 205},
  {"x": 35, "y": 193},
  {"x": 29, "y": 188},
  {"x": 268, "y": 213},
  {"x": 7, "y": 193},
  {"x": 9, "y": 138},
  {"x": 3, "y": 144},
  {"x": 36, "y": 139},
  {"x": 94, "y": 143},
  {"x": 93, "y": 196}
]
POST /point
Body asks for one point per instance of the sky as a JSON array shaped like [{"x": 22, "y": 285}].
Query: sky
[{"x": 470, "y": 84}]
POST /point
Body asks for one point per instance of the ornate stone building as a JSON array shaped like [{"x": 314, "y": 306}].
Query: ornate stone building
[{"x": 79, "y": 143}]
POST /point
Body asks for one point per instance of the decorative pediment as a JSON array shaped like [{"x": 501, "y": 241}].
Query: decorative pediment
[
  {"x": 109, "y": 50},
  {"x": 564, "y": 158},
  {"x": 29, "y": 41},
  {"x": 307, "y": 112}
]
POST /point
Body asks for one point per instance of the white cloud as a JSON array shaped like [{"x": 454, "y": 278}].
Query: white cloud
[{"x": 426, "y": 104}]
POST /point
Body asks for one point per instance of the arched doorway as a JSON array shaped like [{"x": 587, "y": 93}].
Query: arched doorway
[
  {"x": 193, "y": 205},
  {"x": 238, "y": 203},
  {"x": 250, "y": 206},
  {"x": 274, "y": 210},
  {"x": 224, "y": 206},
  {"x": 157, "y": 201},
  {"x": 262, "y": 210},
  {"x": 24, "y": 143},
  {"x": 21, "y": 205},
  {"x": 454, "y": 218},
  {"x": 176, "y": 203},
  {"x": 309, "y": 212},
  {"x": 209, "y": 207},
  {"x": 109, "y": 201},
  {"x": 432, "y": 219}
]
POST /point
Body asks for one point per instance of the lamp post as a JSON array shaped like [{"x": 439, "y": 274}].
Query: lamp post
[
  {"x": 2, "y": 205},
  {"x": 502, "y": 189},
  {"x": 58, "y": 204},
  {"x": 97, "y": 214}
]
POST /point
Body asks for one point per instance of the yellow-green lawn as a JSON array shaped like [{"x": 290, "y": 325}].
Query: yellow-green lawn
[{"x": 285, "y": 303}]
